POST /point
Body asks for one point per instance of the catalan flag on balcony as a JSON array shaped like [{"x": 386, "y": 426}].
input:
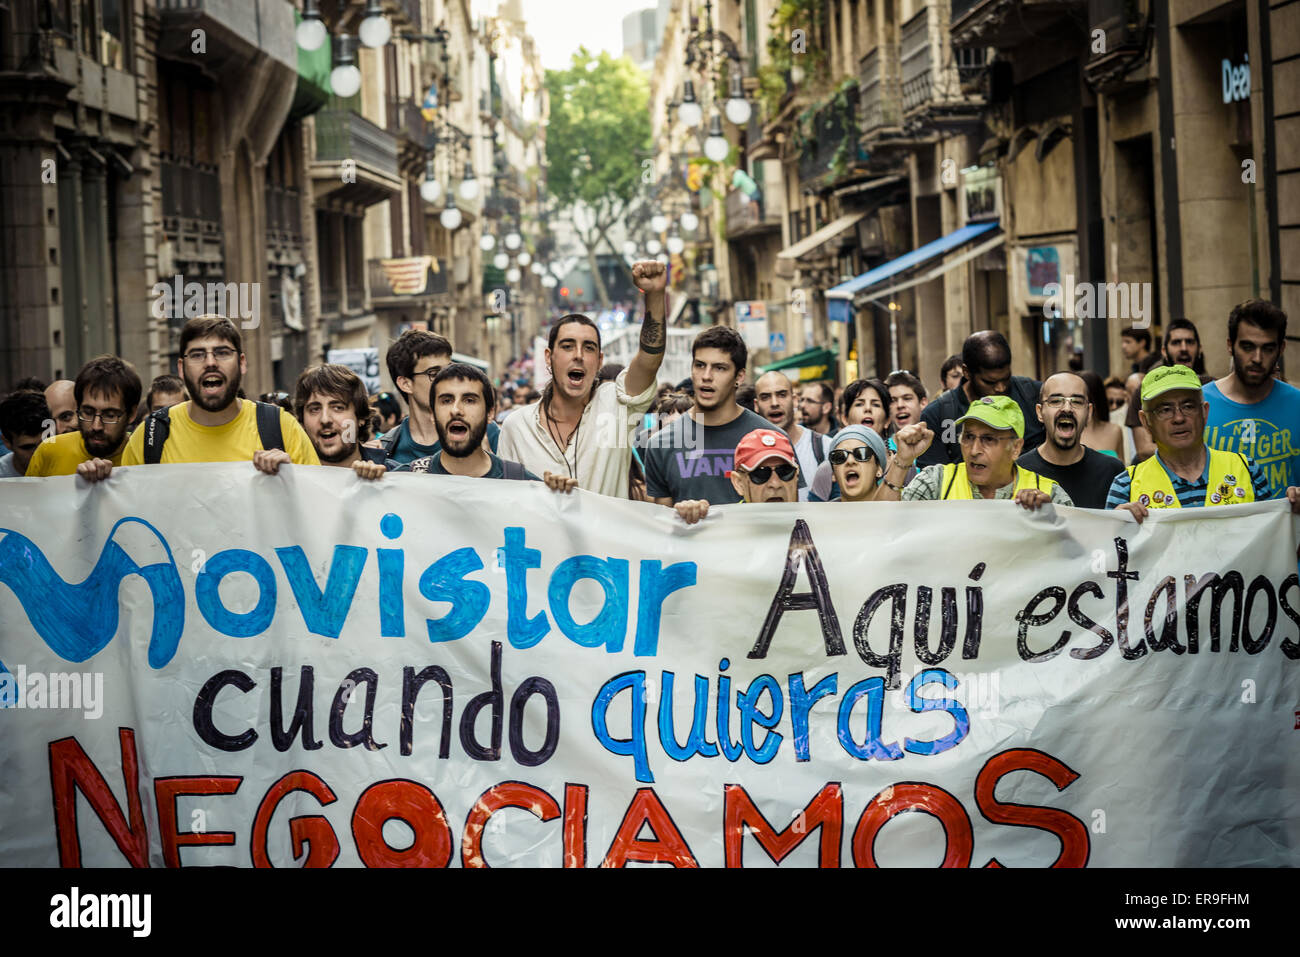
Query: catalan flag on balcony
[
  {"x": 409, "y": 276},
  {"x": 429, "y": 108}
]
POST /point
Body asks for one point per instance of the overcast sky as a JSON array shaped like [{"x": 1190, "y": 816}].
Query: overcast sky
[{"x": 561, "y": 26}]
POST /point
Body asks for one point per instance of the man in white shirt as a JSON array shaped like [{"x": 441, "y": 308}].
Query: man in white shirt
[
  {"x": 774, "y": 400},
  {"x": 581, "y": 428}
]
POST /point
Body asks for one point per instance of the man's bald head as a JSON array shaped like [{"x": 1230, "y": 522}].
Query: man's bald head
[
  {"x": 1063, "y": 383},
  {"x": 774, "y": 399},
  {"x": 1063, "y": 410},
  {"x": 60, "y": 396}
]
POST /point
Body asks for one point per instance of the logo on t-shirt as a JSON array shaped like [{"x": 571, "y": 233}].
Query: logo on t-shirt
[{"x": 705, "y": 462}]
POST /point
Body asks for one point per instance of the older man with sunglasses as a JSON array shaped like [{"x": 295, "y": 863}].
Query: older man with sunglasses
[{"x": 766, "y": 470}]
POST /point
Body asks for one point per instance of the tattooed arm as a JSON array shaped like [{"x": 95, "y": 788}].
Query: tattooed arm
[{"x": 652, "y": 279}]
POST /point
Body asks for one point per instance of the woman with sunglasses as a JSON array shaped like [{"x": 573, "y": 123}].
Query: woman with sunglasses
[{"x": 863, "y": 468}]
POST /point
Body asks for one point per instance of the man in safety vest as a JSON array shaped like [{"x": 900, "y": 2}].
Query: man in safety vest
[
  {"x": 992, "y": 435},
  {"x": 1184, "y": 473}
]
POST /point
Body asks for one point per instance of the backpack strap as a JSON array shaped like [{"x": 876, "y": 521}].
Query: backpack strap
[
  {"x": 513, "y": 470},
  {"x": 268, "y": 426},
  {"x": 369, "y": 454},
  {"x": 388, "y": 441},
  {"x": 819, "y": 448},
  {"x": 157, "y": 426}
]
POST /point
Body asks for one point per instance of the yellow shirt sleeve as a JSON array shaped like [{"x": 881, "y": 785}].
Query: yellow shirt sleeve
[
  {"x": 41, "y": 460},
  {"x": 133, "y": 454},
  {"x": 296, "y": 442}
]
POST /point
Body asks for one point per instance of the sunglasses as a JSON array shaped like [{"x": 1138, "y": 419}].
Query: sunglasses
[
  {"x": 862, "y": 453},
  {"x": 762, "y": 473}
]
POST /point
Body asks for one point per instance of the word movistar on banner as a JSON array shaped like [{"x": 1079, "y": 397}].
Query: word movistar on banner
[{"x": 205, "y": 665}]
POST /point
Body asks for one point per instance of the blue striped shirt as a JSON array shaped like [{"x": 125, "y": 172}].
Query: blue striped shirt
[{"x": 1190, "y": 494}]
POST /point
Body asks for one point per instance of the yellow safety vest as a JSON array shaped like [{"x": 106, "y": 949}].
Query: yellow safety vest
[
  {"x": 1229, "y": 483},
  {"x": 956, "y": 484}
]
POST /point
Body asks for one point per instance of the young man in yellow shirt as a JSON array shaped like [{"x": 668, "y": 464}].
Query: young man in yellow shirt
[
  {"x": 215, "y": 425},
  {"x": 105, "y": 394}
]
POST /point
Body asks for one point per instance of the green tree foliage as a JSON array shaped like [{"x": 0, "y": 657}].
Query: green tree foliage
[{"x": 597, "y": 136}]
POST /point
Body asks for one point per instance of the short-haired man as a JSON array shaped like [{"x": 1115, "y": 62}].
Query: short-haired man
[
  {"x": 1252, "y": 412},
  {"x": 107, "y": 392},
  {"x": 1184, "y": 472},
  {"x": 164, "y": 392},
  {"x": 906, "y": 398},
  {"x": 992, "y": 433},
  {"x": 986, "y": 359},
  {"x": 816, "y": 403},
  {"x": 951, "y": 373},
  {"x": 764, "y": 469},
  {"x": 215, "y": 425},
  {"x": 774, "y": 401},
  {"x": 60, "y": 396},
  {"x": 463, "y": 400},
  {"x": 330, "y": 402},
  {"x": 1182, "y": 346},
  {"x": 22, "y": 423},
  {"x": 1065, "y": 411},
  {"x": 690, "y": 458},
  {"x": 584, "y": 429},
  {"x": 1135, "y": 343}
]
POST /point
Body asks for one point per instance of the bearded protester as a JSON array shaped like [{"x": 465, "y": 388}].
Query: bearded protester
[
  {"x": 331, "y": 403},
  {"x": 1065, "y": 410},
  {"x": 105, "y": 395},
  {"x": 774, "y": 400}
]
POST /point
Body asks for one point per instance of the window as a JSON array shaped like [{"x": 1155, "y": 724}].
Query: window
[{"x": 115, "y": 34}]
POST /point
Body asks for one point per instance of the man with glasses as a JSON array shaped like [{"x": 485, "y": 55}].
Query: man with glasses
[
  {"x": 992, "y": 435},
  {"x": 105, "y": 393},
  {"x": 60, "y": 396},
  {"x": 215, "y": 425},
  {"x": 765, "y": 470},
  {"x": 1184, "y": 472},
  {"x": 1065, "y": 411}
]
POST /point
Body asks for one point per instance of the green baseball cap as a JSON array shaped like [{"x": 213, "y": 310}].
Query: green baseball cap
[
  {"x": 1167, "y": 378},
  {"x": 999, "y": 411}
]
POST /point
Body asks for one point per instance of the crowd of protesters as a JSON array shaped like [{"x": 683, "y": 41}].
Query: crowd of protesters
[{"x": 1167, "y": 436}]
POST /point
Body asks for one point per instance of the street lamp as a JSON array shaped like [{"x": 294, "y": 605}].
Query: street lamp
[
  {"x": 676, "y": 244},
  {"x": 690, "y": 222},
  {"x": 524, "y": 258},
  {"x": 487, "y": 242},
  {"x": 716, "y": 146},
  {"x": 658, "y": 223},
  {"x": 450, "y": 217},
  {"x": 538, "y": 269},
  {"x": 430, "y": 189},
  {"x": 375, "y": 28},
  {"x": 468, "y": 184},
  {"x": 737, "y": 109},
  {"x": 689, "y": 112},
  {"x": 629, "y": 248},
  {"x": 311, "y": 32},
  {"x": 653, "y": 247},
  {"x": 513, "y": 274},
  {"x": 501, "y": 260},
  {"x": 513, "y": 240},
  {"x": 345, "y": 78}
]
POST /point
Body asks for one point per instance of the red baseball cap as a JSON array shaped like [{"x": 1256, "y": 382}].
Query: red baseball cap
[{"x": 763, "y": 444}]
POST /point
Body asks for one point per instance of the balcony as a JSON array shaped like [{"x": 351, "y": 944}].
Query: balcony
[
  {"x": 1125, "y": 25},
  {"x": 383, "y": 295},
  {"x": 283, "y": 224},
  {"x": 831, "y": 148},
  {"x": 354, "y": 159},
  {"x": 237, "y": 33},
  {"x": 1006, "y": 24},
  {"x": 880, "y": 110},
  {"x": 747, "y": 216},
  {"x": 938, "y": 90}
]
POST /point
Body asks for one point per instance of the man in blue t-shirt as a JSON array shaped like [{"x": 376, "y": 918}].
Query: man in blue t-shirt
[{"x": 1250, "y": 411}]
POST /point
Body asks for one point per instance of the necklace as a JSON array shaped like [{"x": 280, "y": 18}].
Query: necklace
[{"x": 562, "y": 447}]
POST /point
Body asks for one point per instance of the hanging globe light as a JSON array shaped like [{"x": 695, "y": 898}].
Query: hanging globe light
[
  {"x": 675, "y": 245},
  {"x": 658, "y": 223},
  {"x": 653, "y": 247},
  {"x": 524, "y": 258},
  {"x": 501, "y": 260},
  {"x": 513, "y": 274},
  {"x": 690, "y": 222},
  {"x": 538, "y": 269},
  {"x": 345, "y": 78},
  {"x": 468, "y": 184},
  {"x": 689, "y": 112},
  {"x": 375, "y": 28},
  {"x": 549, "y": 281},
  {"x": 450, "y": 217},
  {"x": 716, "y": 146},
  {"x": 311, "y": 32},
  {"x": 737, "y": 109},
  {"x": 487, "y": 242}
]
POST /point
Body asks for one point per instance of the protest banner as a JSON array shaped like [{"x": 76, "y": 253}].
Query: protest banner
[{"x": 208, "y": 665}]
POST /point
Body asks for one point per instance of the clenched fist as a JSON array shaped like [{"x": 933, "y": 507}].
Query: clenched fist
[
  {"x": 912, "y": 441},
  {"x": 650, "y": 276}
]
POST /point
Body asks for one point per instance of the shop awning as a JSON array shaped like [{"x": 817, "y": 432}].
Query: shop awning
[
  {"x": 872, "y": 282},
  {"x": 825, "y": 234},
  {"x": 813, "y": 364}
]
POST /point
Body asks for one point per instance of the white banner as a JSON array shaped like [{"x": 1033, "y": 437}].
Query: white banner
[
  {"x": 211, "y": 666},
  {"x": 364, "y": 362}
]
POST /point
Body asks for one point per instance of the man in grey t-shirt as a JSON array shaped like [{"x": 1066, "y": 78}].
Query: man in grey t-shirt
[{"x": 691, "y": 457}]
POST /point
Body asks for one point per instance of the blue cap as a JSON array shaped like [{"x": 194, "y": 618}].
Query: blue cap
[{"x": 873, "y": 440}]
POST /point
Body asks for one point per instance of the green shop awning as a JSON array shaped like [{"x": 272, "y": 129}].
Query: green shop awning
[
  {"x": 812, "y": 364},
  {"x": 314, "y": 67}
]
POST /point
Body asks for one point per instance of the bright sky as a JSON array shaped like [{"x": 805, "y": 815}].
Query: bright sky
[{"x": 561, "y": 26}]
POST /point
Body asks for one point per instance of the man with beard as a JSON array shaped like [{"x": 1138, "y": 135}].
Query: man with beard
[
  {"x": 581, "y": 428},
  {"x": 986, "y": 360},
  {"x": 1182, "y": 347},
  {"x": 1250, "y": 411},
  {"x": 331, "y": 403},
  {"x": 60, "y": 396},
  {"x": 1085, "y": 473},
  {"x": 463, "y": 400},
  {"x": 106, "y": 393},
  {"x": 816, "y": 403},
  {"x": 215, "y": 425},
  {"x": 774, "y": 401},
  {"x": 1184, "y": 472},
  {"x": 690, "y": 459},
  {"x": 906, "y": 398}
]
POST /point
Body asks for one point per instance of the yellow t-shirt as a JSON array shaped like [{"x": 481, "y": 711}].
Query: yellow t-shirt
[
  {"x": 236, "y": 441},
  {"x": 61, "y": 454}
]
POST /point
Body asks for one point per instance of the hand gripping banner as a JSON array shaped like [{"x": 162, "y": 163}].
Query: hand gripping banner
[{"x": 204, "y": 665}]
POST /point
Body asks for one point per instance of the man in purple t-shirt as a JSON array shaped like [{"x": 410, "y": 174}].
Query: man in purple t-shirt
[{"x": 690, "y": 459}]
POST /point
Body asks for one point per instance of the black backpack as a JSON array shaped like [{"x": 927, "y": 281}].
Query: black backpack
[{"x": 158, "y": 425}]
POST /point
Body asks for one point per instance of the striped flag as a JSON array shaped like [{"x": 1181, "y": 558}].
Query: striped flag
[{"x": 408, "y": 276}]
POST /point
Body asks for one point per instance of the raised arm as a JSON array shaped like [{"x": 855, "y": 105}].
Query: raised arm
[{"x": 652, "y": 279}]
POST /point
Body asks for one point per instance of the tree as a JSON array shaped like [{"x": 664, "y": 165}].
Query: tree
[{"x": 596, "y": 138}]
